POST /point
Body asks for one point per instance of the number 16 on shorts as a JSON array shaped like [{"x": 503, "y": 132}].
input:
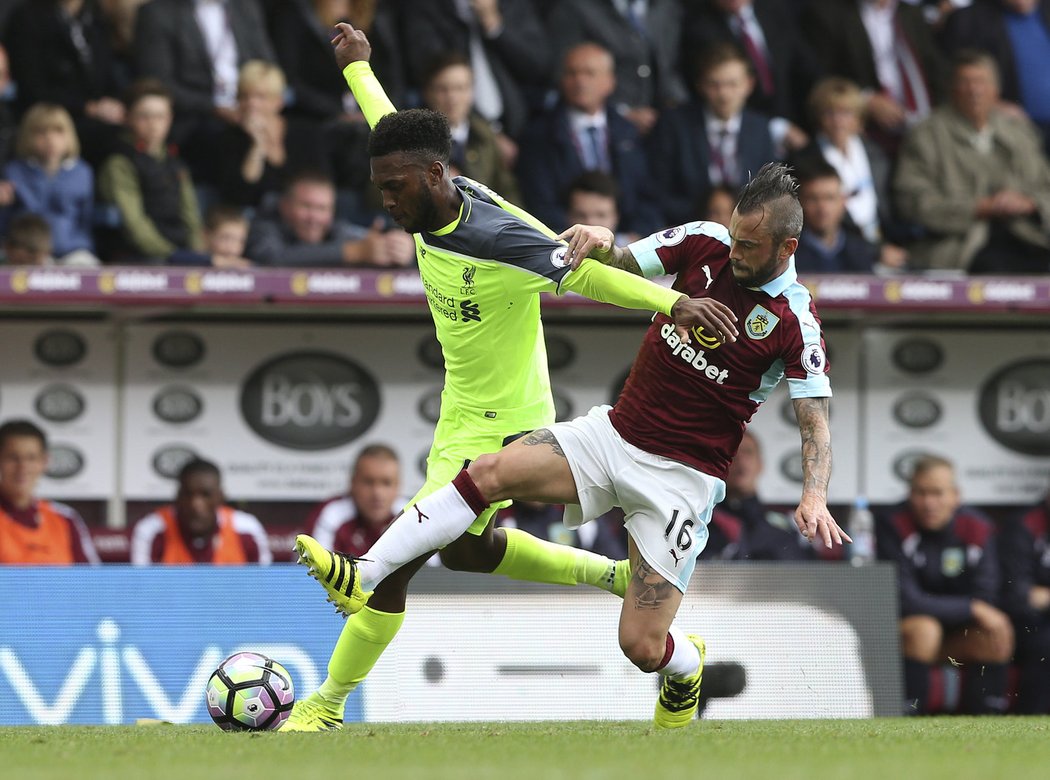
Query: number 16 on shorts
[{"x": 679, "y": 533}]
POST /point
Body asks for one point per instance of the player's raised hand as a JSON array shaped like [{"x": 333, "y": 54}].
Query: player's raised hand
[
  {"x": 350, "y": 45},
  {"x": 814, "y": 521},
  {"x": 714, "y": 317},
  {"x": 587, "y": 241}
]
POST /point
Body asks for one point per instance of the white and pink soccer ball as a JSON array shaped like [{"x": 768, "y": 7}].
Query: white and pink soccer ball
[{"x": 250, "y": 692}]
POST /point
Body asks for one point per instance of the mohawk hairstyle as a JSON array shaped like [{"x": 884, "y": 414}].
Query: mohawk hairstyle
[
  {"x": 774, "y": 190},
  {"x": 416, "y": 131}
]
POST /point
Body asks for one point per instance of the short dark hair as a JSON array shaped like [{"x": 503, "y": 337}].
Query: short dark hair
[
  {"x": 144, "y": 88},
  {"x": 774, "y": 189},
  {"x": 377, "y": 451},
  {"x": 595, "y": 182},
  {"x": 306, "y": 176},
  {"x": 198, "y": 466},
  {"x": 965, "y": 58},
  {"x": 223, "y": 214},
  {"x": 29, "y": 231},
  {"x": 443, "y": 61},
  {"x": 417, "y": 131},
  {"x": 21, "y": 429},
  {"x": 811, "y": 170},
  {"x": 716, "y": 55}
]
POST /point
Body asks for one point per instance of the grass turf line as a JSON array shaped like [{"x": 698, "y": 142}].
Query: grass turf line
[{"x": 882, "y": 749}]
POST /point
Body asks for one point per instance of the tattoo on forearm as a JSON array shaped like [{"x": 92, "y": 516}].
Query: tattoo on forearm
[
  {"x": 543, "y": 436},
  {"x": 623, "y": 259},
  {"x": 650, "y": 589},
  {"x": 812, "y": 414}
]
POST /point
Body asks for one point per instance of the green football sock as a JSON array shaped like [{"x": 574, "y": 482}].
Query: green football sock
[
  {"x": 536, "y": 560},
  {"x": 365, "y": 636}
]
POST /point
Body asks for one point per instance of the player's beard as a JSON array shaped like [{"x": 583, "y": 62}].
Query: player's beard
[
  {"x": 426, "y": 216},
  {"x": 759, "y": 276}
]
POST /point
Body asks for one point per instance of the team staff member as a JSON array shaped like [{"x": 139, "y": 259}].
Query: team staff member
[
  {"x": 199, "y": 527},
  {"x": 32, "y": 530}
]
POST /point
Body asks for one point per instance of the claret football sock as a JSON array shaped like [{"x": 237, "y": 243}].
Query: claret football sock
[
  {"x": 683, "y": 657},
  {"x": 365, "y": 636},
  {"x": 536, "y": 560}
]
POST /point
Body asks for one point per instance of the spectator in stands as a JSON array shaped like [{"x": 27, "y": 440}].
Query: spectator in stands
[
  {"x": 307, "y": 234},
  {"x": 33, "y": 530},
  {"x": 49, "y": 179},
  {"x": 977, "y": 180},
  {"x": 148, "y": 183},
  {"x": 592, "y": 200},
  {"x": 62, "y": 53},
  {"x": 888, "y": 49},
  {"x": 28, "y": 242},
  {"x": 8, "y": 125},
  {"x": 225, "y": 236},
  {"x": 719, "y": 205},
  {"x": 508, "y": 49},
  {"x": 1024, "y": 548},
  {"x": 713, "y": 141},
  {"x": 643, "y": 39},
  {"x": 257, "y": 152},
  {"x": 767, "y": 32},
  {"x": 199, "y": 527},
  {"x": 585, "y": 133},
  {"x": 826, "y": 246},
  {"x": 742, "y": 528},
  {"x": 449, "y": 89},
  {"x": 351, "y": 524},
  {"x": 1017, "y": 35},
  {"x": 949, "y": 583},
  {"x": 195, "y": 48}
]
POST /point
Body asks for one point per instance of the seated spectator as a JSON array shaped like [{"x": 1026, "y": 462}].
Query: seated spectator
[
  {"x": 149, "y": 184},
  {"x": 1017, "y": 35},
  {"x": 307, "y": 234},
  {"x": 49, "y": 179},
  {"x": 826, "y": 246},
  {"x": 256, "y": 153},
  {"x": 352, "y": 523},
  {"x": 592, "y": 201},
  {"x": 719, "y": 204},
  {"x": 28, "y": 242},
  {"x": 8, "y": 125},
  {"x": 225, "y": 236},
  {"x": 716, "y": 141},
  {"x": 476, "y": 153},
  {"x": 1024, "y": 548},
  {"x": 199, "y": 527},
  {"x": 742, "y": 528},
  {"x": 643, "y": 38},
  {"x": 508, "y": 48},
  {"x": 62, "y": 53},
  {"x": 949, "y": 584},
  {"x": 196, "y": 50},
  {"x": 583, "y": 132},
  {"x": 33, "y": 530},
  {"x": 977, "y": 180}
]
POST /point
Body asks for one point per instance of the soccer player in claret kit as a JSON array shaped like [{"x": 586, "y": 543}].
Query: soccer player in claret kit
[
  {"x": 662, "y": 451},
  {"x": 483, "y": 262}
]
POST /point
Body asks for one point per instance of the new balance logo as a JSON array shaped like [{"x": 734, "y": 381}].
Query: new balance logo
[{"x": 469, "y": 311}]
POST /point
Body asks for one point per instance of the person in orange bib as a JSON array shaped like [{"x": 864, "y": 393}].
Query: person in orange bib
[
  {"x": 199, "y": 527},
  {"x": 32, "y": 530}
]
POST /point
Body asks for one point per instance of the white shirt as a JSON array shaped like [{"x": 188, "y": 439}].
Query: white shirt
[
  {"x": 580, "y": 124},
  {"x": 724, "y": 137},
  {"x": 879, "y": 22},
  {"x": 752, "y": 27},
  {"x": 854, "y": 170},
  {"x": 222, "y": 49}
]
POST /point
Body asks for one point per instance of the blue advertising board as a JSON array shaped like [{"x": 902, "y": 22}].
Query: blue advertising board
[{"x": 113, "y": 644}]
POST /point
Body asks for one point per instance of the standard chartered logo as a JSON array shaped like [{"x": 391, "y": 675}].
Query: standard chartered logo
[
  {"x": 697, "y": 358},
  {"x": 118, "y": 670}
]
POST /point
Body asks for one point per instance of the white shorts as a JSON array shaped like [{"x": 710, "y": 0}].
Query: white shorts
[{"x": 666, "y": 504}]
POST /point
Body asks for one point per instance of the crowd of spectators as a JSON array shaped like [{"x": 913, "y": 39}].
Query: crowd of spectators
[{"x": 920, "y": 128}]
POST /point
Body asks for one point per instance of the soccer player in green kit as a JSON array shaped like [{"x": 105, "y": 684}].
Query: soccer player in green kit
[{"x": 483, "y": 262}]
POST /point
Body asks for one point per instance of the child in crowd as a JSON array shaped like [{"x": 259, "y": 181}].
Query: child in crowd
[
  {"x": 225, "y": 234},
  {"x": 28, "y": 242},
  {"x": 149, "y": 184},
  {"x": 48, "y": 178}
]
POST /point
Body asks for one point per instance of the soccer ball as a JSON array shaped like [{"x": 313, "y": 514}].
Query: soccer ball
[{"x": 250, "y": 692}]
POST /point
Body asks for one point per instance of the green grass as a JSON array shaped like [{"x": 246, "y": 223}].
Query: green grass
[{"x": 887, "y": 749}]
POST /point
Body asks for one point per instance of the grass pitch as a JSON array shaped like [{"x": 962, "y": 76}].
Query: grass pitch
[{"x": 886, "y": 749}]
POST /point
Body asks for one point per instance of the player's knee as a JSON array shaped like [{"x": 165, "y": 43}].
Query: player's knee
[
  {"x": 485, "y": 471},
  {"x": 645, "y": 652},
  {"x": 921, "y": 638}
]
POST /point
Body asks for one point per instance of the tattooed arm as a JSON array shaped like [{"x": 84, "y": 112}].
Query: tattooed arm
[
  {"x": 812, "y": 516},
  {"x": 598, "y": 243}
]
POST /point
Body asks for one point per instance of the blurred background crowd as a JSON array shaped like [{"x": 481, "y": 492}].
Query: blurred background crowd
[{"x": 220, "y": 132}]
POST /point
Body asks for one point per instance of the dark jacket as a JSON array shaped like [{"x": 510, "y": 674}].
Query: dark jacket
[
  {"x": 1024, "y": 549},
  {"x": 746, "y": 530}
]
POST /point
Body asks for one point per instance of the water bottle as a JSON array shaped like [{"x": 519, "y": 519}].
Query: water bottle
[{"x": 861, "y": 528}]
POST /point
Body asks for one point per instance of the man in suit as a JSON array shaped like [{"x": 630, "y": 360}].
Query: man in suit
[
  {"x": 196, "y": 48},
  {"x": 504, "y": 41},
  {"x": 826, "y": 246},
  {"x": 716, "y": 141},
  {"x": 643, "y": 38},
  {"x": 766, "y": 31},
  {"x": 584, "y": 133}
]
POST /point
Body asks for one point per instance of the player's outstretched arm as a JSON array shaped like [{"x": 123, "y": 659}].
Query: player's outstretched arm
[
  {"x": 812, "y": 516},
  {"x": 599, "y": 244},
  {"x": 352, "y": 52}
]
